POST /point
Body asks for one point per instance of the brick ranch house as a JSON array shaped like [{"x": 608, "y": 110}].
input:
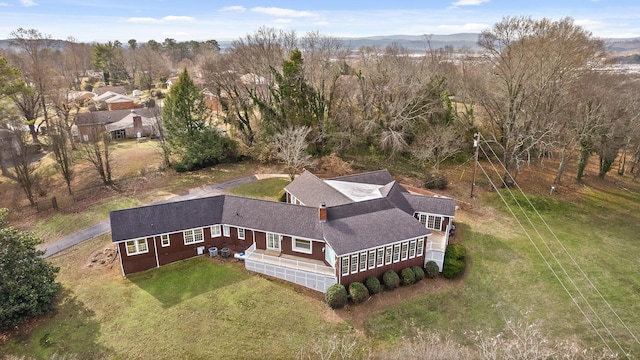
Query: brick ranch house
[{"x": 337, "y": 230}]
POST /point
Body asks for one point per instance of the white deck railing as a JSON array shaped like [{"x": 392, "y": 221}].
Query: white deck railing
[{"x": 256, "y": 255}]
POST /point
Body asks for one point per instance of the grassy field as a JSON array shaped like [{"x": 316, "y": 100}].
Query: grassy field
[{"x": 205, "y": 308}]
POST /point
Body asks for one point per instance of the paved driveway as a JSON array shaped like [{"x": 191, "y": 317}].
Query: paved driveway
[{"x": 105, "y": 227}]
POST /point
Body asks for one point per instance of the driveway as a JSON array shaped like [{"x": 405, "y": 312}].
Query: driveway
[{"x": 105, "y": 227}]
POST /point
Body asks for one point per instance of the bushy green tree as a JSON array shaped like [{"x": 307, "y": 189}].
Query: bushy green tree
[
  {"x": 391, "y": 279},
  {"x": 408, "y": 276},
  {"x": 187, "y": 120},
  {"x": 27, "y": 282},
  {"x": 373, "y": 285},
  {"x": 431, "y": 269}
]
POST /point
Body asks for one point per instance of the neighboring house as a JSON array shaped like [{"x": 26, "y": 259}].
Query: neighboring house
[
  {"x": 332, "y": 231},
  {"x": 115, "y": 101},
  {"x": 115, "y": 89},
  {"x": 120, "y": 123}
]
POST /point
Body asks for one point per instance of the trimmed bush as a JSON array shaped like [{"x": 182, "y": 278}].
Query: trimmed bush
[
  {"x": 373, "y": 285},
  {"x": 453, "y": 268},
  {"x": 456, "y": 251},
  {"x": 431, "y": 269},
  {"x": 336, "y": 296},
  {"x": 408, "y": 276},
  {"x": 358, "y": 292},
  {"x": 454, "y": 261},
  {"x": 391, "y": 279},
  {"x": 417, "y": 270}
]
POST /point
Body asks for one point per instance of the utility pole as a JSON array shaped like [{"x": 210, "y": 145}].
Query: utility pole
[{"x": 476, "y": 144}]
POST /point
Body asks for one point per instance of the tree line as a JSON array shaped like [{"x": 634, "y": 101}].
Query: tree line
[{"x": 538, "y": 88}]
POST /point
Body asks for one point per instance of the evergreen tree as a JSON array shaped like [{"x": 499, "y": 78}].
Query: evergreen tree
[
  {"x": 27, "y": 282},
  {"x": 187, "y": 121}
]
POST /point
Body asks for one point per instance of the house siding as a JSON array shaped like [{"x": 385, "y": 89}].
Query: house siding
[
  {"x": 139, "y": 262},
  {"x": 379, "y": 271}
]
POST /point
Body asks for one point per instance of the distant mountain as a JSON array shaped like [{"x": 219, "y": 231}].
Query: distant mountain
[{"x": 418, "y": 43}]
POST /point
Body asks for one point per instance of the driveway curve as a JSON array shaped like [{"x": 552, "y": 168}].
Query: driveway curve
[{"x": 105, "y": 226}]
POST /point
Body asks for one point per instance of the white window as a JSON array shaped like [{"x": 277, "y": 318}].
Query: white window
[
  {"x": 396, "y": 253},
  {"x": 420, "y": 247},
  {"x": 273, "y": 241},
  {"x": 241, "y": 233},
  {"x": 193, "y": 236},
  {"x": 434, "y": 222},
  {"x": 215, "y": 231},
  {"x": 225, "y": 230},
  {"x": 363, "y": 261},
  {"x": 412, "y": 249},
  {"x": 405, "y": 249},
  {"x": 164, "y": 239},
  {"x": 345, "y": 265},
  {"x": 138, "y": 246},
  {"x": 372, "y": 259},
  {"x": 303, "y": 246},
  {"x": 354, "y": 263},
  {"x": 387, "y": 255},
  {"x": 423, "y": 219},
  {"x": 380, "y": 258}
]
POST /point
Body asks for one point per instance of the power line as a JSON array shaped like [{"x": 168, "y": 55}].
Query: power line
[{"x": 557, "y": 260}]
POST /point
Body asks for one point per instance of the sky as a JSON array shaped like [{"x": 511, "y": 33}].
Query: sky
[{"x": 181, "y": 20}]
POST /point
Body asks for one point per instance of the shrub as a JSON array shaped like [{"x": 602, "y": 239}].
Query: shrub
[
  {"x": 336, "y": 296},
  {"x": 417, "y": 270},
  {"x": 453, "y": 268},
  {"x": 431, "y": 269},
  {"x": 391, "y": 279},
  {"x": 408, "y": 276},
  {"x": 373, "y": 285},
  {"x": 456, "y": 251},
  {"x": 435, "y": 181},
  {"x": 358, "y": 292},
  {"x": 454, "y": 261}
]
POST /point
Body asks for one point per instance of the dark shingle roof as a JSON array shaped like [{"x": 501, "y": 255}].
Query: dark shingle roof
[
  {"x": 379, "y": 177},
  {"x": 367, "y": 224},
  {"x": 312, "y": 191},
  {"x": 107, "y": 117},
  {"x": 432, "y": 204},
  {"x": 165, "y": 218},
  {"x": 271, "y": 216}
]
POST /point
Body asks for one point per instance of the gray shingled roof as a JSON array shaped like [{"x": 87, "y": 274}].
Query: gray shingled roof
[
  {"x": 379, "y": 177},
  {"x": 165, "y": 218},
  {"x": 367, "y": 224},
  {"x": 107, "y": 117},
  {"x": 431, "y": 204},
  {"x": 277, "y": 217},
  {"x": 312, "y": 191}
]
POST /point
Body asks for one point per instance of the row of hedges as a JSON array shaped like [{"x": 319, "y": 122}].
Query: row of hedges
[{"x": 337, "y": 296}]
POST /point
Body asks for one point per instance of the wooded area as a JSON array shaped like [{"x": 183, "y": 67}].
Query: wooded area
[{"x": 538, "y": 89}]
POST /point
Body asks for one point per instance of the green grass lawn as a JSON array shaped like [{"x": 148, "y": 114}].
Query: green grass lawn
[{"x": 201, "y": 308}]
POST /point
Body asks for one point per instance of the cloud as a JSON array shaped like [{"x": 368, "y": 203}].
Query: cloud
[
  {"x": 164, "y": 20},
  {"x": 468, "y": 2},
  {"x": 235, "y": 8},
  {"x": 280, "y": 12},
  {"x": 591, "y": 24},
  {"x": 28, "y": 3},
  {"x": 3, "y": 4},
  {"x": 283, "y": 21}
]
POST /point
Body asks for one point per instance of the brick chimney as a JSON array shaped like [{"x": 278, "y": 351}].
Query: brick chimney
[{"x": 322, "y": 212}]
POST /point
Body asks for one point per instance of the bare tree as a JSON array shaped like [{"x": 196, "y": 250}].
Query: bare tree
[
  {"x": 98, "y": 152},
  {"x": 528, "y": 64},
  {"x": 22, "y": 157},
  {"x": 60, "y": 145},
  {"x": 292, "y": 149},
  {"x": 33, "y": 60}
]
